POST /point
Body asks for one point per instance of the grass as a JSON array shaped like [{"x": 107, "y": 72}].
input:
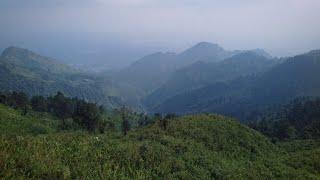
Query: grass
[
  {"x": 192, "y": 147},
  {"x": 12, "y": 122}
]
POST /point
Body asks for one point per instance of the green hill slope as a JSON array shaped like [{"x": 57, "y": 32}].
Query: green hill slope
[
  {"x": 191, "y": 147},
  {"x": 13, "y": 123}
]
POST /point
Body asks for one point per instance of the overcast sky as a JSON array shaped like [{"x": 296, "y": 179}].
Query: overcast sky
[{"x": 282, "y": 27}]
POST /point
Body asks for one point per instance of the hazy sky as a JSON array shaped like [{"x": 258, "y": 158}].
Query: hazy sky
[{"x": 282, "y": 27}]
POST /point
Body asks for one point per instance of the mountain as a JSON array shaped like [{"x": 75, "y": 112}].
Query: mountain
[
  {"x": 211, "y": 98},
  {"x": 210, "y": 52},
  {"x": 24, "y": 70},
  {"x": 149, "y": 72},
  {"x": 156, "y": 77},
  {"x": 201, "y": 74},
  {"x": 203, "y": 51},
  {"x": 262, "y": 52},
  {"x": 153, "y": 71},
  {"x": 27, "y": 63},
  {"x": 296, "y": 77}
]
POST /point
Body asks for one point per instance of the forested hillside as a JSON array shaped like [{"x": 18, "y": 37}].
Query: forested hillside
[
  {"x": 300, "y": 119},
  {"x": 204, "y": 146}
]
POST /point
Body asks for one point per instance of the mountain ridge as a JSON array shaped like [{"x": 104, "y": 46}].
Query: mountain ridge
[
  {"x": 202, "y": 73},
  {"x": 34, "y": 74},
  {"x": 158, "y": 67},
  {"x": 295, "y": 77}
]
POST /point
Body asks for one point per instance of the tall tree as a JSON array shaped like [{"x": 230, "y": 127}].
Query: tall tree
[
  {"x": 62, "y": 107},
  {"x": 39, "y": 103},
  {"x": 21, "y": 101},
  {"x": 125, "y": 122}
]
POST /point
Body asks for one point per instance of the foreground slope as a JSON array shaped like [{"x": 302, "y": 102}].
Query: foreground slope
[
  {"x": 12, "y": 122},
  {"x": 201, "y": 147}
]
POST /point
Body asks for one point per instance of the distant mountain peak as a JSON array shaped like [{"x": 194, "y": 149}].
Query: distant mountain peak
[
  {"x": 262, "y": 52},
  {"x": 155, "y": 57},
  {"x": 204, "y": 51},
  {"x": 24, "y": 58},
  {"x": 161, "y": 53},
  {"x": 247, "y": 56},
  {"x": 19, "y": 53},
  {"x": 13, "y": 51},
  {"x": 206, "y": 45},
  {"x": 314, "y": 52},
  {"x": 22, "y": 54}
]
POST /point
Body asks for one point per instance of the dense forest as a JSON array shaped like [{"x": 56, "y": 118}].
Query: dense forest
[
  {"x": 78, "y": 114},
  {"x": 299, "y": 119},
  {"x": 71, "y": 111}
]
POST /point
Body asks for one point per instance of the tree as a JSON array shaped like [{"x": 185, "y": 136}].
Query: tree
[
  {"x": 102, "y": 126},
  {"x": 125, "y": 126},
  {"x": 62, "y": 107},
  {"x": 88, "y": 115},
  {"x": 21, "y": 101},
  {"x": 92, "y": 116},
  {"x": 39, "y": 103},
  {"x": 144, "y": 120},
  {"x": 157, "y": 116},
  {"x": 102, "y": 109},
  {"x": 284, "y": 130},
  {"x": 170, "y": 116},
  {"x": 163, "y": 123},
  {"x": 3, "y": 98},
  {"x": 125, "y": 122}
]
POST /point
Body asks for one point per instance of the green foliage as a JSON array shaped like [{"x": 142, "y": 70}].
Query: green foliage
[
  {"x": 303, "y": 155},
  {"x": 12, "y": 122},
  {"x": 298, "y": 119},
  {"x": 191, "y": 147},
  {"x": 125, "y": 127},
  {"x": 39, "y": 103},
  {"x": 79, "y": 113}
]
